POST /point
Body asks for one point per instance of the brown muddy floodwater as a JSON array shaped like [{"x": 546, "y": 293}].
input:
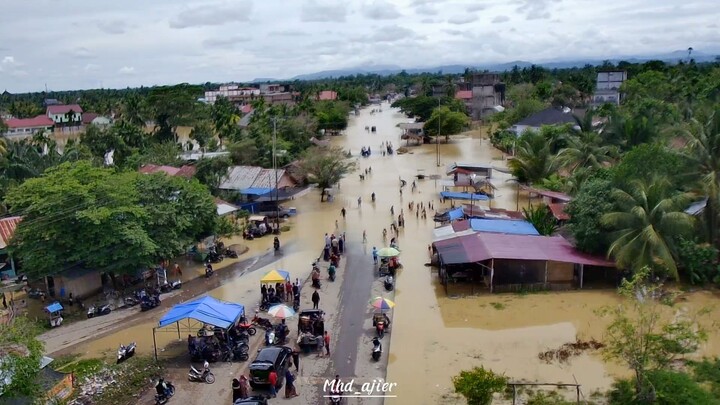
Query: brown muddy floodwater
[{"x": 433, "y": 336}]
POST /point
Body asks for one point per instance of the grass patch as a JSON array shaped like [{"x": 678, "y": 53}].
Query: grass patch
[
  {"x": 498, "y": 305},
  {"x": 82, "y": 368}
]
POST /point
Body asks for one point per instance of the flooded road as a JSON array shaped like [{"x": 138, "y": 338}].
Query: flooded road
[{"x": 433, "y": 336}]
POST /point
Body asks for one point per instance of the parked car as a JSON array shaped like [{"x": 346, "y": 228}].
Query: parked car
[
  {"x": 271, "y": 210},
  {"x": 277, "y": 357},
  {"x": 252, "y": 401}
]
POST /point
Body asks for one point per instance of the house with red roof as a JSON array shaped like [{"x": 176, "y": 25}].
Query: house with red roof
[
  {"x": 26, "y": 127},
  {"x": 327, "y": 95},
  {"x": 186, "y": 171},
  {"x": 65, "y": 114}
]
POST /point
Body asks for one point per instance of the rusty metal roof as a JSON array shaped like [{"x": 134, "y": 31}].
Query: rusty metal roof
[{"x": 7, "y": 230}]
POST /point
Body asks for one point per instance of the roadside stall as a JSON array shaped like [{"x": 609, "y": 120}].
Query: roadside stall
[
  {"x": 54, "y": 311},
  {"x": 273, "y": 286},
  {"x": 205, "y": 311}
]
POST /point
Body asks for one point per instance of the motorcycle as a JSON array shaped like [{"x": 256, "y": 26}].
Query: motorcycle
[
  {"x": 247, "y": 327},
  {"x": 377, "y": 349},
  {"x": 240, "y": 351},
  {"x": 213, "y": 256},
  {"x": 167, "y": 287},
  {"x": 205, "y": 374},
  {"x": 149, "y": 303},
  {"x": 335, "y": 398},
  {"x": 130, "y": 301},
  {"x": 125, "y": 352},
  {"x": 316, "y": 283},
  {"x": 262, "y": 322},
  {"x": 230, "y": 253},
  {"x": 36, "y": 293},
  {"x": 98, "y": 310},
  {"x": 331, "y": 272},
  {"x": 163, "y": 399},
  {"x": 389, "y": 283},
  {"x": 296, "y": 303},
  {"x": 209, "y": 271}
]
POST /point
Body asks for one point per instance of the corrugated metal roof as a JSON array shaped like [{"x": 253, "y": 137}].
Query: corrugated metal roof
[
  {"x": 64, "y": 109},
  {"x": 547, "y": 193},
  {"x": 240, "y": 177},
  {"x": 506, "y": 226},
  {"x": 558, "y": 211},
  {"x": 7, "y": 230},
  {"x": 485, "y": 246}
]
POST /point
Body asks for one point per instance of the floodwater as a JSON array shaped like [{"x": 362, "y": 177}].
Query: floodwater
[{"x": 433, "y": 336}]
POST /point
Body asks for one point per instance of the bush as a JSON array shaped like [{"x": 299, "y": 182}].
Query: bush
[
  {"x": 478, "y": 385},
  {"x": 708, "y": 371},
  {"x": 699, "y": 261},
  {"x": 504, "y": 140},
  {"x": 671, "y": 388}
]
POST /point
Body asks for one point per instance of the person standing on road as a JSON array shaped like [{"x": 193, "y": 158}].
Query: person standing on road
[
  {"x": 316, "y": 300},
  {"x": 290, "y": 391},
  {"x": 343, "y": 212},
  {"x": 296, "y": 359},
  {"x": 288, "y": 290},
  {"x": 364, "y": 236},
  {"x": 375, "y": 255},
  {"x": 272, "y": 379},
  {"x": 326, "y": 339},
  {"x": 296, "y": 288},
  {"x": 359, "y": 201},
  {"x": 243, "y": 387},
  {"x": 236, "y": 389}
]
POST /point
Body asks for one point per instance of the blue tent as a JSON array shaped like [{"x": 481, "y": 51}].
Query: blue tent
[
  {"x": 204, "y": 309},
  {"x": 452, "y": 195},
  {"x": 457, "y": 213},
  {"x": 508, "y": 226},
  {"x": 54, "y": 307}
]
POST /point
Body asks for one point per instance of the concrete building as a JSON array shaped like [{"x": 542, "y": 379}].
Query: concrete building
[
  {"x": 60, "y": 114},
  {"x": 607, "y": 88},
  {"x": 488, "y": 93},
  {"x": 233, "y": 93}
]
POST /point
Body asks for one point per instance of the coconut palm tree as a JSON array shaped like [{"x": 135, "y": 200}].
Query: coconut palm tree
[
  {"x": 533, "y": 160},
  {"x": 450, "y": 87},
  {"x": 586, "y": 150},
  {"x": 702, "y": 150},
  {"x": 650, "y": 217}
]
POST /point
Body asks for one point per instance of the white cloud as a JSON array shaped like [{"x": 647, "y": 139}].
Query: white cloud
[
  {"x": 210, "y": 15},
  {"x": 127, "y": 70},
  {"x": 239, "y": 40},
  {"x": 8, "y": 60},
  {"x": 313, "y": 11},
  {"x": 381, "y": 10},
  {"x": 463, "y": 19},
  {"x": 114, "y": 27}
]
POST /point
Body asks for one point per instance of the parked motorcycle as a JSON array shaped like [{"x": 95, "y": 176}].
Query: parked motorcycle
[
  {"x": 335, "y": 398},
  {"x": 149, "y": 303},
  {"x": 389, "y": 283},
  {"x": 377, "y": 349},
  {"x": 271, "y": 338},
  {"x": 247, "y": 327},
  {"x": 262, "y": 322},
  {"x": 204, "y": 375},
  {"x": 163, "y": 399},
  {"x": 167, "y": 287},
  {"x": 98, "y": 310},
  {"x": 296, "y": 303},
  {"x": 130, "y": 301},
  {"x": 125, "y": 352},
  {"x": 230, "y": 253},
  {"x": 36, "y": 293},
  {"x": 316, "y": 283},
  {"x": 214, "y": 256},
  {"x": 240, "y": 351}
]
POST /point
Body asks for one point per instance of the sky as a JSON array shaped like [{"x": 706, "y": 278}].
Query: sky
[{"x": 80, "y": 44}]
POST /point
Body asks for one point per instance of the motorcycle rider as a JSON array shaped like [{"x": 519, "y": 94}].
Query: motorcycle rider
[
  {"x": 161, "y": 388},
  {"x": 276, "y": 243},
  {"x": 331, "y": 272},
  {"x": 208, "y": 268}
]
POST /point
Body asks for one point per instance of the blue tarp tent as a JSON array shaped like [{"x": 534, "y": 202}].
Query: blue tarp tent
[
  {"x": 255, "y": 191},
  {"x": 457, "y": 213},
  {"x": 54, "y": 307},
  {"x": 204, "y": 309},
  {"x": 452, "y": 195},
  {"x": 508, "y": 226}
]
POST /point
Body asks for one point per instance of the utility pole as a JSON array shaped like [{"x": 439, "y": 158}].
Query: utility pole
[
  {"x": 437, "y": 138},
  {"x": 277, "y": 207}
]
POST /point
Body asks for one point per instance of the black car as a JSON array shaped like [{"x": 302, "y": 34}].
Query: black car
[
  {"x": 277, "y": 357},
  {"x": 252, "y": 401}
]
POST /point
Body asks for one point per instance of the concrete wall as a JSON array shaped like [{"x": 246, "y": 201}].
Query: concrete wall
[{"x": 80, "y": 287}]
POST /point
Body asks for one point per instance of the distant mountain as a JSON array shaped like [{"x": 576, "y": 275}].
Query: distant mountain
[{"x": 672, "y": 57}]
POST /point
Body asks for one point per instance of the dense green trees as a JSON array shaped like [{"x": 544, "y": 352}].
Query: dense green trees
[
  {"x": 21, "y": 353},
  {"x": 326, "y": 166},
  {"x": 445, "y": 120},
  {"x": 533, "y": 159},
  {"x": 105, "y": 220}
]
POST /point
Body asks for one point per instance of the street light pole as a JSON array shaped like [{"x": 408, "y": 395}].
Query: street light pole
[
  {"x": 437, "y": 138},
  {"x": 277, "y": 207}
]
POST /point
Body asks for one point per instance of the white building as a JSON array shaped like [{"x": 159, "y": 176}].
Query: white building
[
  {"x": 231, "y": 92},
  {"x": 60, "y": 114},
  {"x": 607, "y": 89}
]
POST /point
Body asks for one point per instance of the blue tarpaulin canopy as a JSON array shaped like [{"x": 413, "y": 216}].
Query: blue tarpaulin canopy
[
  {"x": 508, "y": 226},
  {"x": 452, "y": 195},
  {"x": 204, "y": 309},
  {"x": 255, "y": 191},
  {"x": 54, "y": 307},
  {"x": 457, "y": 213}
]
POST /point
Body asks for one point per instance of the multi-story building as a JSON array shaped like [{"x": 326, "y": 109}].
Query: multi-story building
[
  {"x": 488, "y": 93},
  {"x": 607, "y": 89},
  {"x": 233, "y": 93}
]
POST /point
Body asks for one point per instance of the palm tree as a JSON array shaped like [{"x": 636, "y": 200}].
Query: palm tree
[
  {"x": 630, "y": 131},
  {"x": 586, "y": 150},
  {"x": 450, "y": 87},
  {"x": 650, "y": 217},
  {"x": 533, "y": 160},
  {"x": 703, "y": 153}
]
